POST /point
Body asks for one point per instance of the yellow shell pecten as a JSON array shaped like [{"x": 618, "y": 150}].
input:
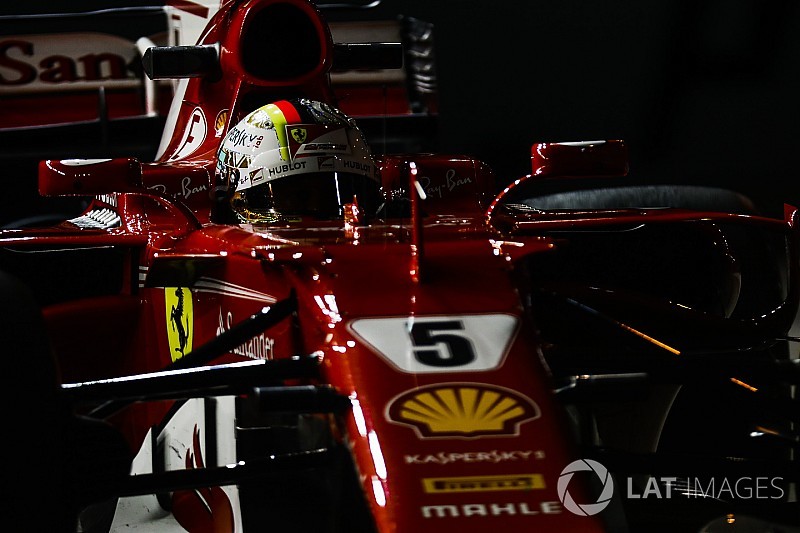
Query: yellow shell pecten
[{"x": 463, "y": 410}]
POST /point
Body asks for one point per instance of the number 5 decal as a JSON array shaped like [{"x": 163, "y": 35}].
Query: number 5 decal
[
  {"x": 454, "y": 343},
  {"x": 441, "y": 343}
]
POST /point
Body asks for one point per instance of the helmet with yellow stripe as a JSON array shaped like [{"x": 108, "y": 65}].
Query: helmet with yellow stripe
[{"x": 296, "y": 159}]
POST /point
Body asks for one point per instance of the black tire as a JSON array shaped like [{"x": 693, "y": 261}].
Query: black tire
[
  {"x": 36, "y": 416},
  {"x": 72, "y": 460},
  {"x": 644, "y": 196}
]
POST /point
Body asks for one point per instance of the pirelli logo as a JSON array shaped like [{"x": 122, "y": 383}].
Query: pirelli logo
[{"x": 483, "y": 483}]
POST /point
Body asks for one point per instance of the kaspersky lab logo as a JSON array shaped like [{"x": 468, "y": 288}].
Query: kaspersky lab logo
[{"x": 585, "y": 509}]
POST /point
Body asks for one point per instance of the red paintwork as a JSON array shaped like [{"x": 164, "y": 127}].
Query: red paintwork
[
  {"x": 45, "y": 109},
  {"x": 589, "y": 158},
  {"x": 454, "y": 256}
]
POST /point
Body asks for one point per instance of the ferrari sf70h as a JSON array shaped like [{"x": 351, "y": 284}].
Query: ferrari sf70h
[{"x": 269, "y": 327}]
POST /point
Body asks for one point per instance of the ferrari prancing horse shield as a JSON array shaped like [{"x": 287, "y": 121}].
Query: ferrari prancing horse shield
[
  {"x": 299, "y": 134},
  {"x": 180, "y": 320}
]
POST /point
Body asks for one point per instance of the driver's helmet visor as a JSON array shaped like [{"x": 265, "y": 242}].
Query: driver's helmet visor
[{"x": 319, "y": 195}]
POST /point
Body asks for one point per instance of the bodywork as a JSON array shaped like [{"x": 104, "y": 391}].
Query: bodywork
[{"x": 439, "y": 367}]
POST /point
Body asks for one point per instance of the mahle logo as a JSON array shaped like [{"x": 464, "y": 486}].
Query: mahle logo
[{"x": 585, "y": 509}]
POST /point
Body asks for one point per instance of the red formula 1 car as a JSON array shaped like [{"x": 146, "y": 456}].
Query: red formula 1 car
[{"x": 267, "y": 328}]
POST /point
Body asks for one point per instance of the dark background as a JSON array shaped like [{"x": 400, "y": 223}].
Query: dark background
[{"x": 703, "y": 91}]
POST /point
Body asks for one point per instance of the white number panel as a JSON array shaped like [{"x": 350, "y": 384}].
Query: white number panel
[{"x": 452, "y": 343}]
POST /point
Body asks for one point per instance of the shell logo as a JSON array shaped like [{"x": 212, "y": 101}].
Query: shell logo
[
  {"x": 220, "y": 122},
  {"x": 462, "y": 410}
]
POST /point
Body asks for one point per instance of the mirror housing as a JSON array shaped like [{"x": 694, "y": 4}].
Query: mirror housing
[
  {"x": 177, "y": 62},
  {"x": 367, "y": 56},
  {"x": 89, "y": 177},
  {"x": 203, "y": 61},
  {"x": 583, "y": 158}
]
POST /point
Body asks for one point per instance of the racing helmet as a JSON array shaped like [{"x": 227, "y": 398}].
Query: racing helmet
[{"x": 293, "y": 159}]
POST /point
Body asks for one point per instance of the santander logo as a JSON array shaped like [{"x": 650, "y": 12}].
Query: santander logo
[{"x": 58, "y": 61}]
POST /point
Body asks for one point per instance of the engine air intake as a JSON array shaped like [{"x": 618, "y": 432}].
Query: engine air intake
[{"x": 281, "y": 42}]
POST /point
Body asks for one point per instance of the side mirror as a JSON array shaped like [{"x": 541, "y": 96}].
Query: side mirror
[
  {"x": 583, "y": 158},
  {"x": 89, "y": 177},
  {"x": 572, "y": 161},
  {"x": 367, "y": 56},
  {"x": 176, "y": 62}
]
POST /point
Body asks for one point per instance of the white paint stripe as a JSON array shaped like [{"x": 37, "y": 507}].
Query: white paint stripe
[
  {"x": 230, "y": 289},
  {"x": 264, "y": 298}
]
